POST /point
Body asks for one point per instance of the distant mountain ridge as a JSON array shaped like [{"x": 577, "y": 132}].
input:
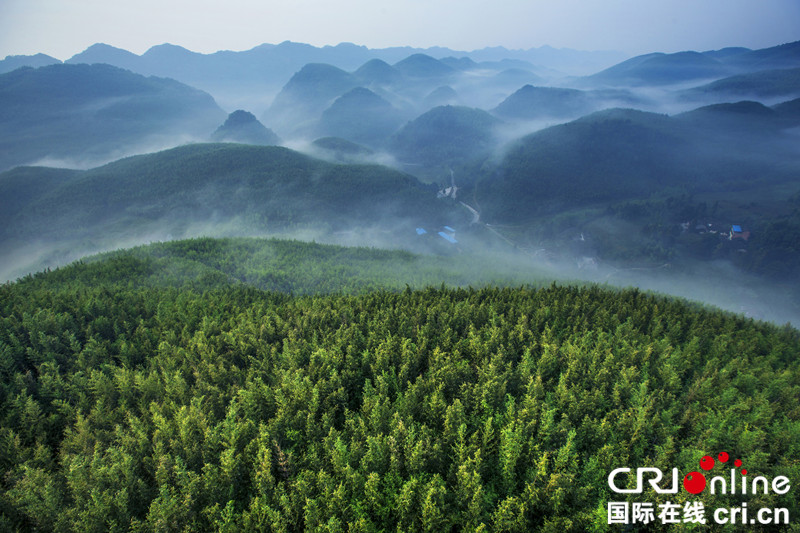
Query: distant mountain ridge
[
  {"x": 11, "y": 63},
  {"x": 347, "y": 56},
  {"x": 770, "y": 84},
  {"x": 253, "y": 79},
  {"x": 263, "y": 70},
  {"x": 666, "y": 69},
  {"x": 282, "y": 60},
  {"x": 617, "y": 154}
]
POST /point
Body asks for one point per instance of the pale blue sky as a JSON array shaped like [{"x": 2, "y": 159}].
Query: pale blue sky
[{"x": 62, "y": 28}]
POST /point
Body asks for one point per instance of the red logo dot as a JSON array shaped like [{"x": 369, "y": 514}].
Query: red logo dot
[
  {"x": 744, "y": 471},
  {"x": 723, "y": 457},
  {"x": 694, "y": 482},
  {"x": 737, "y": 463},
  {"x": 707, "y": 462}
]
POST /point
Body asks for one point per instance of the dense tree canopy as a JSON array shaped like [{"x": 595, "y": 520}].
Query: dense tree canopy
[{"x": 147, "y": 404}]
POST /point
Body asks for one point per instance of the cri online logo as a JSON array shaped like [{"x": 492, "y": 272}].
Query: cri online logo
[{"x": 695, "y": 482}]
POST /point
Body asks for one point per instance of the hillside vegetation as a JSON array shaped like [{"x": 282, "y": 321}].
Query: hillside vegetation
[
  {"x": 190, "y": 404},
  {"x": 619, "y": 154},
  {"x": 445, "y": 135},
  {"x": 89, "y": 113},
  {"x": 249, "y": 189}
]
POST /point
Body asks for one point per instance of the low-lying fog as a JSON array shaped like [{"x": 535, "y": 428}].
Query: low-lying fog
[{"x": 713, "y": 283}]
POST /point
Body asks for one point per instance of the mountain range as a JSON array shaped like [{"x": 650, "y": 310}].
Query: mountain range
[
  {"x": 613, "y": 166},
  {"x": 669, "y": 69}
]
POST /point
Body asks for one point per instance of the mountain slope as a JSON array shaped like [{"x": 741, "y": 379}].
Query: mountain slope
[
  {"x": 531, "y": 102},
  {"x": 445, "y": 135},
  {"x": 361, "y": 116},
  {"x": 423, "y": 66},
  {"x": 775, "y": 57},
  {"x": 243, "y": 127},
  {"x": 662, "y": 69},
  {"x": 287, "y": 266},
  {"x": 378, "y": 73},
  {"x": 767, "y": 84},
  {"x": 110, "y": 55},
  {"x": 215, "y": 189},
  {"x": 21, "y": 186},
  {"x": 94, "y": 112},
  {"x": 34, "y": 61},
  {"x": 616, "y": 154},
  {"x": 307, "y": 94}
]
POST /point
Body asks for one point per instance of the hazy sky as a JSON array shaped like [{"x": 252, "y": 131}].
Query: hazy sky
[{"x": 62, "y": 28}]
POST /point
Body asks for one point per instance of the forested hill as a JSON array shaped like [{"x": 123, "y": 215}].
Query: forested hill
[
  {"x": 88, "y": 113},
  {"x": 285, "y": 266},
  {"x": 273, "y": 186},
  {"x": 218, "y": 189},
  {"x": 131, "y": 404}
]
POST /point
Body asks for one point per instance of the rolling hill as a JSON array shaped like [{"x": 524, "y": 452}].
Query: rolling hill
[
  {"x": 618, "y": 153},
  {"x": 96, "y": 113},
  {"x": 666, "y": 69},
  {"x": 423, "y": 66},
  {"x": 662, "y": 69},
  {"x": 213, "y": 189},
  {"x": 361, "y": 116},
  {"x": 243, "y": 127},
  {"x": 445, "y": 135},
  {"x": 531, "y": 102},
  {"x": 378, "y": 73},
  {"x": 783, "y": 56},
  {"x": 11, "y": 63},
  {"x": 765, "y": 84},
  {"x": 341, "y": 149},
  {"x": 307, "y": 94}
]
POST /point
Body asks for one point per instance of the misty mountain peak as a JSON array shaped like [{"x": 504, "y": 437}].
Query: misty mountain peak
[
  {"x": 423, "y": 66},
  {"x": 168, "y": 49},
  {"x": 313, "y": 75},
  {"x": 360, "y": 116},
  {"x": 103, "y": 47},
  {"x": 460, "y": 63},
  {"x": 445, "y": 135},
  {"x": 377, "y": 71},
  {"x": 444, "y": 95},
  {"x": 243, "y": 127},
  {"x": 363, "y": 97},
  {"x": 536, "y": 102},
  {"x": 35, "y": 61},
  {"x": 104, "y": 53}
]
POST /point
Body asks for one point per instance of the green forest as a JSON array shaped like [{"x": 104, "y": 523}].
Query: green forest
[{"x": 205, "y": 386}]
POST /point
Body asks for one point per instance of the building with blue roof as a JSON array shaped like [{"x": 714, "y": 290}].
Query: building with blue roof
[{"x": 447, "y": 237}]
